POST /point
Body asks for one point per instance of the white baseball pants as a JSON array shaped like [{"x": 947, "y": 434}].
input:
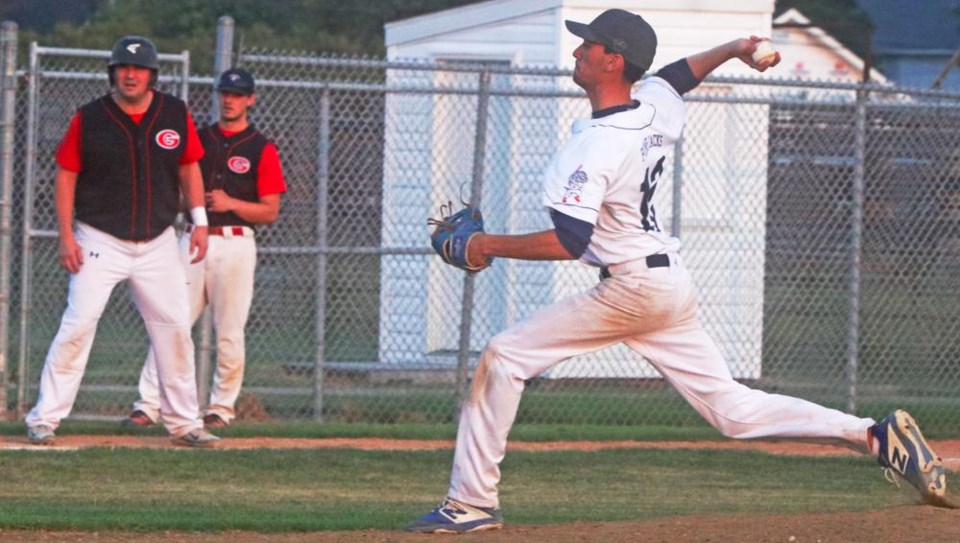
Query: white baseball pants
[
  {"x": 654, "y": 312},
  {"x": 224, "y": 280},
  {"x": 158, "y": 290}
]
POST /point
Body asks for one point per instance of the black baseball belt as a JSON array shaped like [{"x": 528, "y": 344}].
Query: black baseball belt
[{"x": 653, "y": 261}]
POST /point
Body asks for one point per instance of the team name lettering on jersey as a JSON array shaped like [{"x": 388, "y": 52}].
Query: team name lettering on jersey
[
  {"x": 168, "y": 139},
  {"x": 649, "y": 142},
  {"x": 238, "y": 164},
  {"x": 575, "y": 184}
]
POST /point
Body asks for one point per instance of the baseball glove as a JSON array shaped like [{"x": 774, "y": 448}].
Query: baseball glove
[{"x": 452, "y": 235}]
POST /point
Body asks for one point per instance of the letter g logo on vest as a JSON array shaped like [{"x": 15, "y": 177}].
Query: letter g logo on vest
[
  {"x": 168, "y": 139},
  {"x": 238, "y": 164}
]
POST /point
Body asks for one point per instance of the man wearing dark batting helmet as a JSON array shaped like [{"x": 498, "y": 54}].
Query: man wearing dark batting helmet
[
  {"x": 243, "y": 182},
  {"x": 124, "y": 163}
]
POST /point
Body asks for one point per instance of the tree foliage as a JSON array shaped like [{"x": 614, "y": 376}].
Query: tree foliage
[{"x": 329, "y": 26}]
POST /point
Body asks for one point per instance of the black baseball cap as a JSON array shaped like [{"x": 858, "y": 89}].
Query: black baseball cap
[
  {"x": 622, "y": 32},
  {"x": 236, "y": 80}
]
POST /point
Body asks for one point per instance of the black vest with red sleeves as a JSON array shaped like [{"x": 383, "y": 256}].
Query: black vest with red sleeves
[
  {"x": 128, "y": 184},
  {"x": 231, "y": 164}
]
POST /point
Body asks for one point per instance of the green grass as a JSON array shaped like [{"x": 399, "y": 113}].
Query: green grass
[
  {"x": 307, "y": 490},
  {"x": 620, "y": 409}
]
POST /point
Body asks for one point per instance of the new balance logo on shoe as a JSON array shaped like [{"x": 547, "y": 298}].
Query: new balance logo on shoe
[
  {"x": 897, "y": 454},
  {"x": 452, "y": 511}
]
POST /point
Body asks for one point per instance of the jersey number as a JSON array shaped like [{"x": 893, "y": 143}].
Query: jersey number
[{"x": 647, "y": 214}]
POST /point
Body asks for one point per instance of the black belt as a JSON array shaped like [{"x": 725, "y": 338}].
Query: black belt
[{"x": 653, "y": 261}]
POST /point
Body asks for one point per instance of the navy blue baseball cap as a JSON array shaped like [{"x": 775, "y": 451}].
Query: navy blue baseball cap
[
  {"x": 236, "y": 80},
  {"x": 622, "y": 32}
]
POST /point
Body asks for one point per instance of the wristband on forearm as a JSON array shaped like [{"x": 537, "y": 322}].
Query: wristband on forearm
[{"x": 199, "y": 216}]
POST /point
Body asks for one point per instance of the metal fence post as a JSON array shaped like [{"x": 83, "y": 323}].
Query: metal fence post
[
  {"x": 206, "y": 348},
  {"x": 856, "y": 242},
  {"x": 223, "y": 57},
  {"x": 677, "y": 188},
  {"x": 28, "y": 197},
  {"x": 185, "y": 76},
  {"x": 476, "y": 196},
  {"x": 323, "y": 187},
  {"x": 8, "y": 86}
]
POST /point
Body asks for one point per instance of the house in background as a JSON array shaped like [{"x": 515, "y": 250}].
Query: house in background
[
  {"x": 808, "y": 52},
  {"x": 913, "y": 41}
]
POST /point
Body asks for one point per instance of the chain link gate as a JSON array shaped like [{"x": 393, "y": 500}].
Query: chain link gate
[{"x": 821, "y": 223}]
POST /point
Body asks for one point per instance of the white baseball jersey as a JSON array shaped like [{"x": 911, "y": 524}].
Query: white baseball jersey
[{"x": 607, "y": 174}]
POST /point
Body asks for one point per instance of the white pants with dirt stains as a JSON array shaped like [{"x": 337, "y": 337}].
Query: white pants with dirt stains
[
  {"x": 158, "y": 289},
  {"x": 653, "y": 311},
  {"x": 224, "y": 280}
]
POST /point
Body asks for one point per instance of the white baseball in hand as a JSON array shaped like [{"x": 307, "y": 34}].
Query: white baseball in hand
[{"x": 765, "y": 53}]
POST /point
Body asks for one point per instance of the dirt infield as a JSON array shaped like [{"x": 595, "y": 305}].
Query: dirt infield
[
  {"x": 910, "y": 523},
  {"x": 898, "y": 524}
]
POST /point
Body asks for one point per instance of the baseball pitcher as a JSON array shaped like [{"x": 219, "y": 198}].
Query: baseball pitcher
[{"x": 599, "y": 190}]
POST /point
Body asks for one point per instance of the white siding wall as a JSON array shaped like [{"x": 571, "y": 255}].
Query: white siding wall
[
  {"x": 443, "y": 136},
  {"x": 526, "y": 40},
  {"x": 723, "y": 224},
  {"x": 408, "y": 137}
]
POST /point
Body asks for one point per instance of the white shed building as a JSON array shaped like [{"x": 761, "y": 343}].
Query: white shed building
[{"x": 415, "y": 326}]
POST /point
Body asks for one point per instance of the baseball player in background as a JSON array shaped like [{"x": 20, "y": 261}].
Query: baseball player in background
[
  {"x": 123, "y": 164},
  {"x": 243, "y": 181},
  {"x": 598, "y": 190}
]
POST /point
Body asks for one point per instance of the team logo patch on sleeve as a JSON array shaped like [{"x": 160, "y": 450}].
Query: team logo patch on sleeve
[
  {"x": 238, "y": 164},
  {"x": 168, "y": 139},
  {"x": 574, "y": 188}
]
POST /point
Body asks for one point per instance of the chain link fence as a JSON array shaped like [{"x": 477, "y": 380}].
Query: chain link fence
[{"x": 821, "y": 223}]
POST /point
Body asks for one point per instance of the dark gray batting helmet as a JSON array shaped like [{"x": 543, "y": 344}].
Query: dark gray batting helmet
[{"x": 135, "y": 51}]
